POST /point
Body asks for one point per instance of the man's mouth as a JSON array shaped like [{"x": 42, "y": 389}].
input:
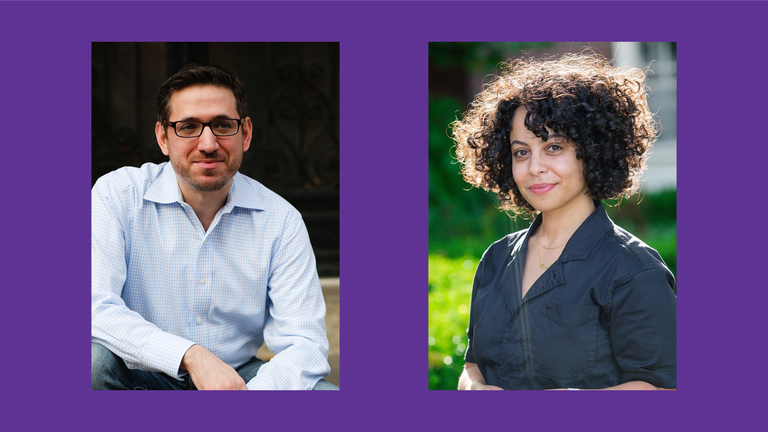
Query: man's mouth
[{"x": 208, "y": 164}]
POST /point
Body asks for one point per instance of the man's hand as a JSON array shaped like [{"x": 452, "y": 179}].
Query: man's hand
[{"x": 208, "y": 372}]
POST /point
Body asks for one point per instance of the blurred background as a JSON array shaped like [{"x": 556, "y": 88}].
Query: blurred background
[
  {"x": 464, "y": 221},
  {"x": 293, "y": 102}
]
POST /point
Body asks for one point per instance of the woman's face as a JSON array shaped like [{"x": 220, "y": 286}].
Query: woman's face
[{"x": 547, "y": 173}]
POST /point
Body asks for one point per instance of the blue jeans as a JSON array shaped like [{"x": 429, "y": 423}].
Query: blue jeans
[{"x": 109, "y": 372}]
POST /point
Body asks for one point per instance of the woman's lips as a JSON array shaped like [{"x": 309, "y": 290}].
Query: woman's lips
[
  {"x": 208, "y": 164},
  {"x": 542, "y": 188}
]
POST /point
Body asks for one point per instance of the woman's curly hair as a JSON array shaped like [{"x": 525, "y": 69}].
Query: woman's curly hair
[{"x": 602, "y": 109}]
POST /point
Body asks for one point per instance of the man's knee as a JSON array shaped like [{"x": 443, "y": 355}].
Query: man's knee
[
  {"x": 325, "y": 385},
  {"x": 104, "y": 367}
]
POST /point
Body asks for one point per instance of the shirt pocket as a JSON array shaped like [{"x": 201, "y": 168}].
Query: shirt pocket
[{"x": 564, "y": 341}]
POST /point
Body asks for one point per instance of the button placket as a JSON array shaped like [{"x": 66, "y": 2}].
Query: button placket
[{"x": 202, "y": 281}]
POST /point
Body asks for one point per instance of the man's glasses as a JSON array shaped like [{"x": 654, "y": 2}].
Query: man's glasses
[{"x": 193, "y": 129}]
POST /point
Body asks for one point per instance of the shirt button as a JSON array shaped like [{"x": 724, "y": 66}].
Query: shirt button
[
  {"x": 199, "y": 320},
  {"x": 202, "y": 281}
]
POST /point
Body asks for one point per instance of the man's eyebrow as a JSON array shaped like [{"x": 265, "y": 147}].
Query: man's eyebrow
[{"x": 214, "y": 118}]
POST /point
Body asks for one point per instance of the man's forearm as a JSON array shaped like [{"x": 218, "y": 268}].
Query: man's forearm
[
  {"x": 138, "y": 342},
  {"x": 208, "y": 372}
]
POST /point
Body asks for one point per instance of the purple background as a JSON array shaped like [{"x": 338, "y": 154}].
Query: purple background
[{"x": 384, "y": 46}]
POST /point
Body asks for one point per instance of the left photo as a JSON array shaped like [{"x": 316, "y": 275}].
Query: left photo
[{"x": 215, "y": 216}]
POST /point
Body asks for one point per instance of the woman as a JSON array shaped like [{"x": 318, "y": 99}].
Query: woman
[{"x": 574, "y": 301}]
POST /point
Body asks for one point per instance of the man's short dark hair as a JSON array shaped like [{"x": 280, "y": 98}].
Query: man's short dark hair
[
  {"x": 200, "y": 74},
  {"x": 602, "y": 109}
]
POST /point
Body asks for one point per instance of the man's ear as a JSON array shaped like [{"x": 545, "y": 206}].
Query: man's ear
[
  {"x": 162, "y": 138},
  {"x": 247, "y": 133}
]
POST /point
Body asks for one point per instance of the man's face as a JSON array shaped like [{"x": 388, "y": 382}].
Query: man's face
[{"x": 206, "y": 163}]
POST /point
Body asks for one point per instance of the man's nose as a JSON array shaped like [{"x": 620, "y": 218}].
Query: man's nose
[{"x": 207, "y": 141}]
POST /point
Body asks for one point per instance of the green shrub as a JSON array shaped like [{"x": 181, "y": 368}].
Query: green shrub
[{"x": 450, "y": 288}]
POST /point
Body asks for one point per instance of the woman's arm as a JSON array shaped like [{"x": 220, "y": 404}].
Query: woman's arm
[
  {"x": 472, "y": 379},
  {"x": 632, "y": 385}
]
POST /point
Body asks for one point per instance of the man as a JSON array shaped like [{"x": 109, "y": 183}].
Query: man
[{"x": 195, "y": 265}]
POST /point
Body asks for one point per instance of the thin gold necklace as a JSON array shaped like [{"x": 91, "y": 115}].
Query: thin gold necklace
[{"x": 541, "y": 261}]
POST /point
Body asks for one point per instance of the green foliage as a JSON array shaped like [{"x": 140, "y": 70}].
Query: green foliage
[
  {"x": 444, "y": 178},
  {"x": 450, "y": 287},
  {"x": 481, "y": 57}
]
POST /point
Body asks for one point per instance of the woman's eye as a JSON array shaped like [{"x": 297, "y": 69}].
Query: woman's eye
[
  {"x": 555, "y": 148},
  {"x": 520, "y": 153}
]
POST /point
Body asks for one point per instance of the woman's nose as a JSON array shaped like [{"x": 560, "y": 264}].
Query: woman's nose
[{"x": 538, "y": 164}]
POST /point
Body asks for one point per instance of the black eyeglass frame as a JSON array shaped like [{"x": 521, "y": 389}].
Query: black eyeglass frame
[{"x": 173, "y": 125}]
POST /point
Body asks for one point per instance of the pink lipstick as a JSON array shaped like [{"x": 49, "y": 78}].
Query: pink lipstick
[{"x": 542, "y": 188}]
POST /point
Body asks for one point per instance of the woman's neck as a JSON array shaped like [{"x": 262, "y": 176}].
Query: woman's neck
[{"x": 557, "y": 226}]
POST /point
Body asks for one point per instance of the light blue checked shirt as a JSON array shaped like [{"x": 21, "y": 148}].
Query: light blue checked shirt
[{"x": 161, "y": 283}]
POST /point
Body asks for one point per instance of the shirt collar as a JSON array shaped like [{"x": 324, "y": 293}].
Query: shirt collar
[
  {"x": 243, "y": 194},
  {"x": 581, "y": 243},
  {"x": 165, "y": 190}
]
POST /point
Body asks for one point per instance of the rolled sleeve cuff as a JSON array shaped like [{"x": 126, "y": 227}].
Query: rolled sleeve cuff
[
  {"x": 469, "y": 356},
  {"x": 259, "y": 384},
  {"x": 665, "y": 378},
  {"x": 165, "y": 353}
]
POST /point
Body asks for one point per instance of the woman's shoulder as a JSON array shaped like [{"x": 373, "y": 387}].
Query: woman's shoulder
[
  {"x": 504, "y": 246},
  {"x": 626, "y": 242},
  {"x": 509, "y": 241},
  {"x": 632, "y": 255},
  {"x": 498, "y": 255}
]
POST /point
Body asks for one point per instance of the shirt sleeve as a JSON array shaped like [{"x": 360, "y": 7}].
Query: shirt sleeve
[
  {"x": 295, "y": 328},
  {"x": 469, "y": 355},
  {"x": 126, "y": 333},
  {"x": 486, "y": 262},
  {"x": 643, "y": 328}
]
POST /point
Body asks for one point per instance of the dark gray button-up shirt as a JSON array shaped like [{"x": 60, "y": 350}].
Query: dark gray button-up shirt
[{"x": 603, "y": 314}]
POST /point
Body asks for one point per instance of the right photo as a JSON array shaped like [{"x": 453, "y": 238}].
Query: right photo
[{"x": 552, "y": 216}]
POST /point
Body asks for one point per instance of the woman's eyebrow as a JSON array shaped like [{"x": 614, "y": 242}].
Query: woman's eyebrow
[
  {"x": 550, "y": 137},
  {"x": 557, "y": 136}
]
